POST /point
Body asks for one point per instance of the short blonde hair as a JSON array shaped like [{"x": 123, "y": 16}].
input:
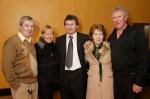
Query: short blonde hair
[{"x": 46, "y": 27}]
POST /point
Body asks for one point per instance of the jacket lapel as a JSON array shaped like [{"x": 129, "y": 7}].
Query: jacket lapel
[
  {"x": 64, "y": 46},
  {"x": 79, "y": 45}
]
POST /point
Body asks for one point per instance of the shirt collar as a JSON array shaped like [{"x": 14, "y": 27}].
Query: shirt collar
[
  {"x": 23, "y": 38},
  {"x": 74, "y": 35}
]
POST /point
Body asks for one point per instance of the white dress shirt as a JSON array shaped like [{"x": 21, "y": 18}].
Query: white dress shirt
[{"x": 76, "y": 62}]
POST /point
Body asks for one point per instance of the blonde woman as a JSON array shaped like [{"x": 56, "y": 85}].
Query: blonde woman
[{"x": 47, "y": 63}]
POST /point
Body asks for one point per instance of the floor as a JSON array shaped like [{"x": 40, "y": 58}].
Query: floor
[
  {"x": 144, "y": 95},
  {"x": 56, "y": 96}
]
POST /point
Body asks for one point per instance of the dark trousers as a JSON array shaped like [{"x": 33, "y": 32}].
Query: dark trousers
[
  {"x": 73, "y": 85},
  {"x": 123, "y": 87},
  {"x": 45, "y": 90}
]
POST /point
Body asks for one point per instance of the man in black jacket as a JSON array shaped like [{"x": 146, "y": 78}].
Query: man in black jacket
[
  {"x": 73, "y": 66},
  {"x": 129, "y": 56}
]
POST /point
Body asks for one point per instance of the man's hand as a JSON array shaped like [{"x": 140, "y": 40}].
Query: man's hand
[{"x": 136, "y": 88}]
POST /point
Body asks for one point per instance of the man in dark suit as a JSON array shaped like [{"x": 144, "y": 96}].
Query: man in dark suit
[{"x": 73, "y": 66}]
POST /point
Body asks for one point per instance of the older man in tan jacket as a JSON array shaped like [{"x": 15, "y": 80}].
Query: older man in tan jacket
[{"x": 19, "y": 63}]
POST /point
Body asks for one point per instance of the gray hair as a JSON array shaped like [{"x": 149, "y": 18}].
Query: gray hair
[
  {"x": 25, "y": 18},
  {"x": 119, "y": 8}
]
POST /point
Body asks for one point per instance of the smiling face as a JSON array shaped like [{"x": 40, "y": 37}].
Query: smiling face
[
  {"x": 97, "y": 36},
  {"x": 119, "y": 19},
  {"x": 71, "y": 26},
  {"x": 27, "y": 28},
  {"x": 48, "y": 35}
]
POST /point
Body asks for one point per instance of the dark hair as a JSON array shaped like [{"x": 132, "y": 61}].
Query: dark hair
[
  {"x": 100, "y": 27},
  {"x": 71, "y": 17},
  {"x": 25, "y": 18},
  {"x": 46, "y": 27}
]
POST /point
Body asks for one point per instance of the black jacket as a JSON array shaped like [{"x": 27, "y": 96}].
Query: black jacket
[
  {"x": 129, "y": 53},
  {"x": 47, "y": 61}
]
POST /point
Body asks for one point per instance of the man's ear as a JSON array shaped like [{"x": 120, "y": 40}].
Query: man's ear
[
  {"x": 19, "y": 27},
  {"x": 77, "y": 27},
  {"x": 126, "y": 18}
]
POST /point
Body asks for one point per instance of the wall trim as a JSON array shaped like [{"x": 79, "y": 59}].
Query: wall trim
[{"x": 5, "y": 92}]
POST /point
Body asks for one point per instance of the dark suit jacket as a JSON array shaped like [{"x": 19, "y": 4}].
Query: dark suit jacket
[{"x": 61, "y": 49}]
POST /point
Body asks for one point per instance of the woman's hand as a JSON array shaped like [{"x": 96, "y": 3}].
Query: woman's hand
[{"x": 87, "y": 44}]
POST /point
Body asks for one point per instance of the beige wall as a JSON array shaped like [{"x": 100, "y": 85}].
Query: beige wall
[{"x": 53, "y": 12}]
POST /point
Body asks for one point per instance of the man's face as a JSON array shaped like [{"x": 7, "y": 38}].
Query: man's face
[
  {"x": 119, "y": 19},
  {"x": 71, "y": 26},
  {"x": 27, "y": 28}
]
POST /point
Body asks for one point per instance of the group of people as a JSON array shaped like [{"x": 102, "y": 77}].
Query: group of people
[{"x": 85, "y": 66}]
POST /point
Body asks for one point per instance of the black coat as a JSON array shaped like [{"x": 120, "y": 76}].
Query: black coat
[{"x": 47, "y": 62}]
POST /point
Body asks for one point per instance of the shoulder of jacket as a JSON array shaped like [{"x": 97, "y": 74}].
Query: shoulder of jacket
[
  {"x": 61, "y": 37},
  {"x": 82, "y": 34},
  {"x": 106, "y": 43},
  {"x": 12, "y": 40}
]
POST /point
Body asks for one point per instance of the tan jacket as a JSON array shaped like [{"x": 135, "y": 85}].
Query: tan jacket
[
  {"x": 16, "y": 62},
  {"x": 95, "y": 88}
]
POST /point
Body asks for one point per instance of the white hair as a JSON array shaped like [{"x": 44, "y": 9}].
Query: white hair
[{"x": 119, "y": 8}]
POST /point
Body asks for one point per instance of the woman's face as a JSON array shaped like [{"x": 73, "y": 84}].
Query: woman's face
[
  {"x": 97, "y": 37},
  {"x": 48, "y": 36}
]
